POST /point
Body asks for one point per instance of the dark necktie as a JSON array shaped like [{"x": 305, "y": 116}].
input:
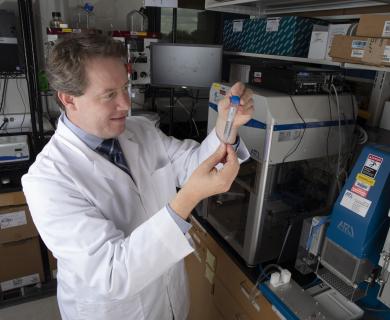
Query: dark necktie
[{"x": 112, "y": 149}]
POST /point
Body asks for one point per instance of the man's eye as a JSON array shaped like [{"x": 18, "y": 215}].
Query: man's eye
[{"x": 109, "y": 96}]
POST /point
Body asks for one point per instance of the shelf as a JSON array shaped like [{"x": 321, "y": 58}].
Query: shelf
[
  {"x": 365, "y": 67},
  {"x": 272, "y": 7},
  {"x": 308, "y": 61},
  {"x": 284, "y": 58}
]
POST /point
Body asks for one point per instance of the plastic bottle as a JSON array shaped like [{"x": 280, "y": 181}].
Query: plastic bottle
[
  {"x": 56, "y": 20},
  {"x": 234, "y": 103},
  {"x": 137, "y": 21}
]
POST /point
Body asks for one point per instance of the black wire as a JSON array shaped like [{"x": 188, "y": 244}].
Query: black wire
[
  {"x": 329, "y": 130},
  {"x": 3, "y": 124},
  {"x": 25, "y": 108},
  {"x": 289, "y": 153},
  {"x": 4, "y": 93}
]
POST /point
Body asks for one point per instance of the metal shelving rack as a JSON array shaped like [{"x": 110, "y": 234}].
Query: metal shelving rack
[
  {"x": 31, "y": 72},
  {"x": 272, "y": 7},
  {"x": 381, "y": 85},
  {"x": 308, "y": 61}
]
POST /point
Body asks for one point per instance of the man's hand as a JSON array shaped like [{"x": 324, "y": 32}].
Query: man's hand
[
  {"x": 244, "y": 111},
  {"x": 206, "y": 180}
]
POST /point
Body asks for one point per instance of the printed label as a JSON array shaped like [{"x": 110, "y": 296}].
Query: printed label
[
  {"x": 13, "y": 219},
  {"x": 359, "y": 191},
  {"x": 216, "y": 86},
  {"x": 238, "y": 25},
  {"x": 7, "y": 40},
  {"x": 20, "y": 282},
  {"x": 367, "y": 180},
  {"x": 357, "y": 53},
  {"x": 386, "y": 54},
  {"x": 372, "y": 165},
  {"x": 386, "y": 29},
  {"x": 272, "y": 25},
  {"x": 355, "y": 203},
  {"x": 289, "y": 135},
  {"x": 359, "y": 44},
  {"x": 257, "y": 77}
]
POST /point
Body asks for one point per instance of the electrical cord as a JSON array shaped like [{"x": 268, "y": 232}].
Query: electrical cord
[
  {"x": 5, "y": 122},
  {"x": 4, "y": 94},
  {"x": 339, "y": 135},
  {"x": 362, "y": 136},
  {"x": 329, "y": 130},
  {"x": 292, "y": 150},
  {"x": 189, "y": 113},
  {"x": 263, "y": 276},
  {"x": 284, "y": 243},
  {"x": 25, "y": 108}
]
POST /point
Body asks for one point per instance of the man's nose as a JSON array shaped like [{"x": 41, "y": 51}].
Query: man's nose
[{"x": 124, "y": 102}]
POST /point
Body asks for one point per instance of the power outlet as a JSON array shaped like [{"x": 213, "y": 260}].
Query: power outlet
[{"x": 15, "y": 121}]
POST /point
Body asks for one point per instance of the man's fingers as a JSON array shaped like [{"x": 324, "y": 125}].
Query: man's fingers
[
  {"x": 231, "y": 165},
  {"x": 237, "y": 89},
  {"x": 217, "y": 157}
]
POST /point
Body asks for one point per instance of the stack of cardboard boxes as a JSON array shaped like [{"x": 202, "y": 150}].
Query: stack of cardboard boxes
[
  {"x": 283, "y": 36},
  {"x": 20, "y": 252},
  {"x": 370, "y": 46}
]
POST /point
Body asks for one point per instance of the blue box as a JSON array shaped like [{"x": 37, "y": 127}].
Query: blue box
[{"x": 286, "y": 36}]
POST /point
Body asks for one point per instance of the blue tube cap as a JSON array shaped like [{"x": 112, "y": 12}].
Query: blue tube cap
[{"x": 235, "y": 100}]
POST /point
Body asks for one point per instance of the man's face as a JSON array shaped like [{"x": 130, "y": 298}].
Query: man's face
[{"x": 103, "y": 107}]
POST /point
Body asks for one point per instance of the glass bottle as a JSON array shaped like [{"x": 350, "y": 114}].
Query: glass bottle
[
  {"x": 137, "y": 21},
  {"x": 84, "y": 17},
  {"x": 56, "y": 20}
]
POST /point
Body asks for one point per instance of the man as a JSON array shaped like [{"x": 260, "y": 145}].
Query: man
[{"x": 102, "y": 192}]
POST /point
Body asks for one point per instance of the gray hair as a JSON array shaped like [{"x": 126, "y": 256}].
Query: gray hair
[{"x": 66, "y": 63}]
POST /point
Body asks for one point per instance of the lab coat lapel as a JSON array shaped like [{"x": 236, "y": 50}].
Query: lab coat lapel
[
  {"x": 101, "y": 166},
  {"x": 131, "y": 151}
]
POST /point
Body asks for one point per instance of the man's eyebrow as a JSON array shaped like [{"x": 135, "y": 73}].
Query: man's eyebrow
[{"x": 112, "y": 89}]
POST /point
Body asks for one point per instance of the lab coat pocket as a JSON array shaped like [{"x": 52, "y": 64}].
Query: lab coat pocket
[
  {"x": 114, "y": 310},
  {"x": 163, "y": 183}
]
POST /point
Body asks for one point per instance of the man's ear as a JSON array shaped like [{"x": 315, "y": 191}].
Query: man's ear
[{"x": 67, "y": 100}]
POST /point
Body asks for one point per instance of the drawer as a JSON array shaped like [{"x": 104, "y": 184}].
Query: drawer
[
  {"x": 227, "y": 305},
  {"x": 242, "y": 290}
]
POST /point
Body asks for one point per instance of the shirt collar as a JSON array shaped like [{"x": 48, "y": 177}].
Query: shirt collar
[{"x": 90, "y": 140}]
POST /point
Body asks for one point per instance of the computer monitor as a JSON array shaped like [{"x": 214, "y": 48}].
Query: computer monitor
[{"x": 185, "y": 65}]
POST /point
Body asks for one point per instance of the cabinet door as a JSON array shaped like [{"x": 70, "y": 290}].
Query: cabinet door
[{"x": 201, "y": 282}]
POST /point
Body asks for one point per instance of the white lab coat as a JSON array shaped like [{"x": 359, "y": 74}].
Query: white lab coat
[{"x": 120, "y": 253}]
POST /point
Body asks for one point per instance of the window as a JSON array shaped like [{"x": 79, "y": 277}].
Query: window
[{"x": 193, "y": 26}]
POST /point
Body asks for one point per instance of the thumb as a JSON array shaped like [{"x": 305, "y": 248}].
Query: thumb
[{"x": 215, "y": 158}]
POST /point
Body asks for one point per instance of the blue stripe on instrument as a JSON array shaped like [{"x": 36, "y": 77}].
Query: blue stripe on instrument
[{"x": 290, "y": 126}]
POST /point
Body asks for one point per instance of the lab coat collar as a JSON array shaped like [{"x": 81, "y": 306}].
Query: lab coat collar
[{"x": 102, "y": 166}]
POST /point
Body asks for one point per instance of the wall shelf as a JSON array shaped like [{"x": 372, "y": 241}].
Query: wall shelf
[
  {"x": 272, "y": 7},
  {"x": 308, "y": 61}
]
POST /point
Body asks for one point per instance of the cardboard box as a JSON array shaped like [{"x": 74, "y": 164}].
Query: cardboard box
[
  {"x": 374, "y": 25},
  {"x": 348, "y": 48},
  {"x": 334, "y": 30},
  {"x": 318, "y": 42},
  {"x": 52, "y": 264},
  {"x": 21, "y": 264},
  {"x": 284, "y": 36},
  {"x": 12, "y": 199},
  {"x": 377, "y": 52},
  {"x": 16, "y": 224}
]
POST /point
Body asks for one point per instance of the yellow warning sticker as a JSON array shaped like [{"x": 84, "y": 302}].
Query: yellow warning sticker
[
  {"x": 365, "y": 179},
  {"x": 216, "y": 86}
]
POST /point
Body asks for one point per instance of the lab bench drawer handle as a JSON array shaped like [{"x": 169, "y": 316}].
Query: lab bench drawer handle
[
  {"x": 239, "y": 316},
  {"x": 250, "y": 295}
]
